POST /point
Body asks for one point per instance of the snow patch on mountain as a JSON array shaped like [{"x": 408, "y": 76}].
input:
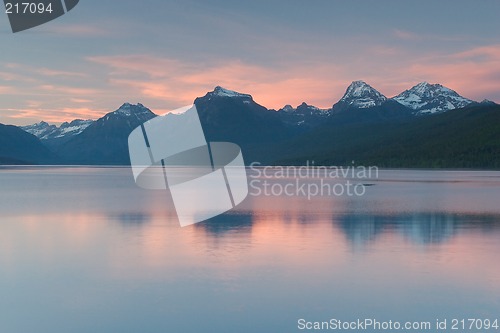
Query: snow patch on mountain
[
  {"x": 223, "y": 92},
  {"x": 128, "y": 110},
  {"x": 361, "y": 95},
  {"x": 45, "y": 131},
  {"x": 426, "y": 98},
  {"x": 40, "y": 130},
  {"x": 73, "y": 128}
]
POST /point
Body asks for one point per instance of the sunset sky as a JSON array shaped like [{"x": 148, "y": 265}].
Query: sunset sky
[{"x": 164, "y": 54}]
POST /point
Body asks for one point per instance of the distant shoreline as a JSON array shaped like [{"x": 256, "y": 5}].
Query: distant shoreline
[{"x": 62, "y": 166}]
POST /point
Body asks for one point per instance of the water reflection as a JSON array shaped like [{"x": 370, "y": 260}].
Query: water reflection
[
  {"x": 427, "y": 229},
  {"x": 423, "y": 228},
  {"x": 131, "y": 219},
  {"x": 102, "y": 260},
  {"x": 360, "y": 230},
  {"x": 226, "y": 223}
]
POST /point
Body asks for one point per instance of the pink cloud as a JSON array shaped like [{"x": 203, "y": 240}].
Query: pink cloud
[
  {"x": 56, "y": 115},
  {"x": 406, "y": 35},
  {"x": 175, "y": 82},
  {"x": 16, "y": 77},
  {"x": 475, "y": 73},
  {"x": 491, "y": 52},
  {"x": 80, "y": 100},
  {"x": 79, "y": 30},
  {"x": 69, "y": 91},
  {"x": 52, "y": 72},
  {"x": 178, "y": 82},
  {"x": 414, "y": 37},
  {"x": 163, "y": 83},
  {"x": 4, "y": 90}
]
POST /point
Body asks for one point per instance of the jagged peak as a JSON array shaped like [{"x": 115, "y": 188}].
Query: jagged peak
[
  {"x": 359, "y": 88},
  {"x": 359, "y": 83},
  {"x": 129, "y": 105},
  {"x": 39, "y": 125},
  {"x": 361, "y": 95},
  {"x": 487, "y": 101},
  {"x": 223, "y": 92},
  {"x": 288, "y": 108},
  {"x": 423, "y": 84},
  {"x": 429, "y": 98},
  {"x": 77, "y": 122},
  {"x": 300, "y": 108},
  {"x": 426, "y": 88},
  {"x": 128, "y": 109},
  {"x": 307, "y": 106}
]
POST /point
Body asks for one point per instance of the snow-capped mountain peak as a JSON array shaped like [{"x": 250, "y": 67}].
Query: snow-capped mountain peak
[
  {"x": 223, "y": 92},
  {"x": 128, "y": 109},
  {"x": 361, "y": 95},
  {"x": 427, "y": 98},
  {"x": 40, "y": 130},
  {"x": 45, "y": 131},
  {"x": 129, "y": 113},
  {"x": 74, "y": 128}
]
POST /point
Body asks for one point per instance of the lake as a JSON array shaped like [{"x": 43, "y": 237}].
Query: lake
[{"x": 85, "y": 250}]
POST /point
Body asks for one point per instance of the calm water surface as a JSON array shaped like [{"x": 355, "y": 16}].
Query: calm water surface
[{"x": 85, "y": 250}]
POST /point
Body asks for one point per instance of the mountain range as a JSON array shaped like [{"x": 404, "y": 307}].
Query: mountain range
[{"x": 427, "y": 125}]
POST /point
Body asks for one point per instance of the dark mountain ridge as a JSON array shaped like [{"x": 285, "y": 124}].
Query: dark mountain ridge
[
  {"x": 104, "y": 142},
  {"x": 19, "y": 147},
  {"x": 462, "y": 138},
  {"x": 364, "y": 125}
]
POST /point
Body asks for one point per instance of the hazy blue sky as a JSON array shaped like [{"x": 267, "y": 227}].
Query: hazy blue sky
[{"x": 165, "y": 53}]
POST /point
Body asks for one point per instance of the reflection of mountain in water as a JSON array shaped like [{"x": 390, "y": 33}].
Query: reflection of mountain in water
[
  {"x": 230, "y": 232},
  {"x": 226, "y": 223},
  {"x": 423, "y": 228},
  {"x": 359, "y": 229},
  {"x": 131, "y": 219},
  {"x": 362, "y": 229},
  {"x": 430, "y": 228}
]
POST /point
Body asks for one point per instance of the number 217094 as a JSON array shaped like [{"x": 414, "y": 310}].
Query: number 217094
[{"x": 28, "y": 8}]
